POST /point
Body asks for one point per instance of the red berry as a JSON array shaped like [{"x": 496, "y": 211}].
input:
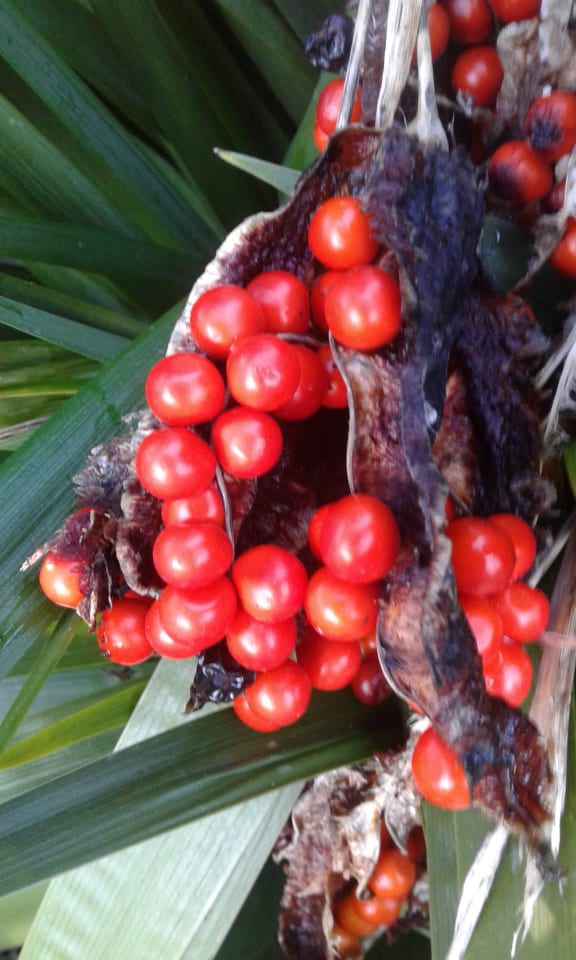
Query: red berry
[
  {"x": 60, "y": 580},
  {"x": 364, "y": 308},
  {"x": 284, "y": 300},
  {"x": 247, "y": 442},
  {"x": 359, "y": 539},
  {"x": 199, "y": 617},
  {"x": 369, "y": 685},
  {"x": 160, "y": 640},
  {"x": 281, "y": 695},
  {"x": 509, "y": 674},
  {"x": 478, "y": 72},
  {"x": 318, "y": 292},
  {"x": 185, "y": 388},
  {"x": 381, "y": 911},
  {"x": 518, "y": 174},
  {"x": 244, "y": 712},
  {"x": 485, "y": 623},
  {"x": 262, "y": 371},
  {"x": 349, "y": 918},
  {"x": 309, "y": 394},
  {"x": 438, "y": 29},
  {"x": 222, "y": 316},
  {"x": 563, "y": 256},
  {"x": 438, "y": 773},
  {"x": 320, "y": 138},
  {"x": 192, "y": 554},
  {"x": 339, "y": 234},
  {"x": 550, "y": 124},
  {"x": 260, "y": 646},
  {"x": 522, "y": 536},
  {"x": 338, "y": 609},
  {"x": 271, "y": 582},
  {"x": 514, "y": 11},
  {"x": 393, "y": 875},
  {"x": 470, "y": 21},
  {"x": 483, "y": 556},
  {"x": 207, "y": 506},
  {"x": 330, "y": 664},
  {"x": 174, "y": 463},
  {"x": 335, "y": 396},
  {"x": 328, "y": 106},
  {"x": 524, "y": 611},
  {"x": 121, "y": 632}
]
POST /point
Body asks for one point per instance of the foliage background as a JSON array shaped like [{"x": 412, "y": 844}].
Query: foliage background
[{"x": 111, "y": 202}]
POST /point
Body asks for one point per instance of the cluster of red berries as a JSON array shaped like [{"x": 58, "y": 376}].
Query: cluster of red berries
[
  {"x": 489, "y": 556},
  {"x": 388, "y": 888},
  {"x": 521, "y": 171},
  {"x": 222, "y": 408}
]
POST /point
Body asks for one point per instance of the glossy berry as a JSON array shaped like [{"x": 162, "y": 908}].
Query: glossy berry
[
  {"x": 247, "y": 442},
  {"x": 550, "y": 124},
  {"x": 328, "y": 106},
  {"x": 60, "y": 580},
  {"x": 518, "y": 174},
  {"x": 359, "y": 539},
  {"x": 563, "y": 256},
  {"x": 281, "y": 695},
  {"x": 174, "y": 463},
  {"x": 121, "y": 632},
  {"x": 393, "y": 875},
  {"x": 271, "y": 582},
  {"x": 207, "y": 506},
  {"x": 185, "y": 388},
  {"x": 522, "y": 536},
  {"x": 485, "y": 623},
  {"x": 369, "y": 685},
  {"x": 198, "y": 617},
  {"x": 381, "y": 911},
  {"x": 311, "y": 389},
  {"x": 514, "y": 11},
  {"x": 262, "y": 371},
  {"x": 260, "y": 646},
  {"x": 364, "y": 308},
  {"x": 160, "y": 640},
  {"x": 315, "y": 527},
  {"x": 338, "y": 609},
  {"x": 192, "y": 554},
  {"x": 284, "y": 300},
  {"x": 438, "y": 29},
  {"x": 478, "y": 73},
  {"x": 470, "y": 21},
  {"x": 524, "y": 611},
  {"x": 335, "y": 395},
  {"x": 244, "y": 712},
  {"x": 320, "y": 138},
  {"x": 483, "y": 556},
  {"x": 222, "y": 316},
  {"x": 330, "y": 664},
  {"x": 438, "y": 773},
  {"x": 339, "y": 234},
  {"x": 318, "y": 292},
  {"x": 349, "y": 919},
  {"x": 509, "y": 674}
]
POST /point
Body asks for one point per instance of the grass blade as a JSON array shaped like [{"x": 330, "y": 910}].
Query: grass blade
[
  {"x": 281, "y": 178},
  {"x": 77, "y": 337},
  {"x": 183, "y": 774}
]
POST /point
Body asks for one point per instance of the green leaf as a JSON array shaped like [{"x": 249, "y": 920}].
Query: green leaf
[
  {"x": 17, "y": 913},
  {"x": 86, "y": 341},
  {"x": 182, "y": 774},
  {"x": 108, "y": 713},
  {"x": 112, "y": 156},
  {"x": 276, "y": 175}
]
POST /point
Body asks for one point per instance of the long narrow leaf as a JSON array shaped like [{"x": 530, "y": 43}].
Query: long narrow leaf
[
  {"x": 182, "y": 774},
  {"x": 77, "y": 337}
]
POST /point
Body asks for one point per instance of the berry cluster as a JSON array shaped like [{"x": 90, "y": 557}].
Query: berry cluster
[
  {"x": 220, "y": 411},
  {"x": 489, "y": 556},
  {"x": 388, "y": 888},
  {"x": 522, "y": 172}
]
